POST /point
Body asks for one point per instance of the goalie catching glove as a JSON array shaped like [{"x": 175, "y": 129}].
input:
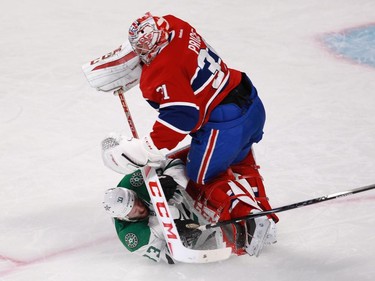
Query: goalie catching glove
[
  {"x": 125, "y": 155},
  {"x": 120, "y": 68}
]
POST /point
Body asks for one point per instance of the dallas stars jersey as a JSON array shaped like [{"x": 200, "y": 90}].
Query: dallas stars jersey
[
  {"x": 184, "y": 82},
  {"x": 144, "y": 237},
  {"x": 141, "y": 237}
]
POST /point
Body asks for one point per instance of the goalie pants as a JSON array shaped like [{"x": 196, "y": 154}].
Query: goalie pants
[{"x": 234, "y": 125}]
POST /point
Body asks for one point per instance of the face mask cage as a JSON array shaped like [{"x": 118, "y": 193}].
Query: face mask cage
[
  {"x": 146, "y": 39},
  {"x": 147, "y": 43}
]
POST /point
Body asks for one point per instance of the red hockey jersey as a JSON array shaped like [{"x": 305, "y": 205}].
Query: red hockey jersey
[{"x": 184, "y": 82}]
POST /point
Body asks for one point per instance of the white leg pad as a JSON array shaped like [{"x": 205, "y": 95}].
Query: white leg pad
[
  {"x": 257, "y": 231},
  {"x": 271, "y": 237}
]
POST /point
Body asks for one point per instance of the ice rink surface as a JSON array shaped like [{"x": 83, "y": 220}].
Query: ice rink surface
[{"x": 319, "y": 137}]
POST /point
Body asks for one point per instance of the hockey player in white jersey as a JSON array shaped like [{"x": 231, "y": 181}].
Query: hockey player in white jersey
[{"x": 136, "y": 224}]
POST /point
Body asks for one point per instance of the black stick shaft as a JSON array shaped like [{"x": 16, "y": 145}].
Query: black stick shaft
[{"x": 291, "y": 206}]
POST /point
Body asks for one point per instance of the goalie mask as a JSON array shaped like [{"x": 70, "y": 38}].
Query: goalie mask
[
  {"x": 148, "y": 35},
  {"x": 119, "y": 202}
]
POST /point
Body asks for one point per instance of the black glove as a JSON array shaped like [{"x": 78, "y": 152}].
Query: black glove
[
  {"x": 189, "y": 236},
  {"x": 169, "y": 186}
]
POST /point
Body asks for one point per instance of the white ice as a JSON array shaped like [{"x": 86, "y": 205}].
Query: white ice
[{"x": 319, "y": 138}]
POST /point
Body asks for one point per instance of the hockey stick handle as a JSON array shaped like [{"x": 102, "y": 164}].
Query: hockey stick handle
[
  {"x": 288, "y": 207},
  {"x": 175, "y": 153},
  {"x": 120, "y": 93}
]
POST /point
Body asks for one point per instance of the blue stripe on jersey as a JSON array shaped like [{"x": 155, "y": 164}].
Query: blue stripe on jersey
[
  {"x": 155, "y": 105},
  {"x": 184, "y": 118},
  {"x": 205, "y": 72}
]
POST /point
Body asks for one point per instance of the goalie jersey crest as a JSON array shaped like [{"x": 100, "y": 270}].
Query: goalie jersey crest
[{"x": 110, "y": 72}]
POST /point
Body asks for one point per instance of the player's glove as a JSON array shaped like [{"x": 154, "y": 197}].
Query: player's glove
[
  {"x": 169, "y": 186},
  {"x": 177, "y": 170},
  {"x": 118, "y": 69}
]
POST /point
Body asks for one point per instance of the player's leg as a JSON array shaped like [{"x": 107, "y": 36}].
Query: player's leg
[
  {"x": 215, "y": 146},
  {"x": 228, "y": 199},
  {"x": 219, "y": 144}
]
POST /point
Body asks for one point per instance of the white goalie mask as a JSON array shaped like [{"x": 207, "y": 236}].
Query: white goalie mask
[
  {"x": 118, "y": 202},
  {"x": 147, "y": 35}
]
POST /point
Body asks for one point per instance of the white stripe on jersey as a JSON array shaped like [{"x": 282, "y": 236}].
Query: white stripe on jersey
[
  {"x": 212, "y": 77},
  {"x": 173, "y": 128},
  {"x": 207, "y": 156},
  {"x": 225, "y": 80},
  {"x": 204, "y": 85},
  {"x": 188, "y": 104}
]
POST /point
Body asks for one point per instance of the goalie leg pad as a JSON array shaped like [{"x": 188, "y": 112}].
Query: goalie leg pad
[
  {"x": 249, "y": 171},
  {"x": 230, "y": 198},
  {"x": 234, "y": 235},
  {"x": 257, "y": 232}
]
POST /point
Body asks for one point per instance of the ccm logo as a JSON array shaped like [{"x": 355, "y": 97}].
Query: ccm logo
[{"x": 162, "y": 210}]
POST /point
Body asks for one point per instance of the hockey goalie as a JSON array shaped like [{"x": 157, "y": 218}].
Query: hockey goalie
[{"x": 236, "y": 193}]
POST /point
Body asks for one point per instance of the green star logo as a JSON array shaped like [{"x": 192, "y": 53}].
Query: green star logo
[
  {"x": 136, "y": 179},
  {"x": 131, "y": 240}
]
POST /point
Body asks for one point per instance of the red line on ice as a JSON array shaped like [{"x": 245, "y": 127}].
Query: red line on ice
[{"x": 17, "y": 264}]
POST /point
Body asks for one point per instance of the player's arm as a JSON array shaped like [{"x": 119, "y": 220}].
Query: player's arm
[
  {"x": 175, "y": 121},
  {"x": 144, "y": 238},
  {"x": 126, "y": 154}
]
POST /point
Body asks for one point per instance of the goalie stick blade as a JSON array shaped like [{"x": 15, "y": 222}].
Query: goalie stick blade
[{"x": 178, "y": 251}]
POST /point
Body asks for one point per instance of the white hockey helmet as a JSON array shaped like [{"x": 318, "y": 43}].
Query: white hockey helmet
[
  {"x": 147, "y": 35},
  {"x": 118, "y": 202}
]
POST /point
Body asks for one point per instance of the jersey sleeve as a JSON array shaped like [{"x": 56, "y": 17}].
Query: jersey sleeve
[
  {"x": 145, "y": 237},
  {"x": 174, "y": 100},
  {"x": 174, "y": 122},
  {"x": 142, "y": 238}
]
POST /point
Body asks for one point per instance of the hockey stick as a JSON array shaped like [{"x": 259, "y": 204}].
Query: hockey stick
[
  {"x": 120, "y": 93},
  {"x": 178, "y": 251},
  {"x": 175, "y": 153},
  {"x": 286, "y": 207}
]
